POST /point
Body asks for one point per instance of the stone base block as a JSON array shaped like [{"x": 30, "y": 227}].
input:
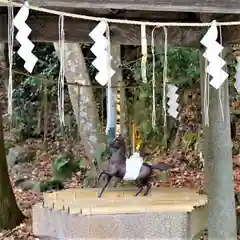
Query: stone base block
[{"x": 119, "y": 216}]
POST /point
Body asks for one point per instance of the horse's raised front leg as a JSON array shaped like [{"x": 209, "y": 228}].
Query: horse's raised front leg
[
  {"x": 102, "y": 172},
  {"x": 104, "y": 187}
]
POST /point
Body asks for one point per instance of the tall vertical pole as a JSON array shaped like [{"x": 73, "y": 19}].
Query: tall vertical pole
[
  {"x": 111, "y": 112},
  {"x": 219, "y": 166},
  {"x": 112, "y": 91}
]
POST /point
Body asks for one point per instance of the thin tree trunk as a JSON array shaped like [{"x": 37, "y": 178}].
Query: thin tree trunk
[
  {"x": 10, "y": 214},
  {"x": 86, "y": 117}
]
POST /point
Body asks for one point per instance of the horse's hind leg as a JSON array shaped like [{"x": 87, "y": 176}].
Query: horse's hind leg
[
  {"x": 149, "y": 185},
  {"x": 104, "y": 187},
  {"x": 140, "y": 188},
  {"x": 141, "y": 185}
]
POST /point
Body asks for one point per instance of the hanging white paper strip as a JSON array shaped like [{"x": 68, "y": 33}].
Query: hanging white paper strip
[
  {"x": 213, "y": 49},
  {"x": 144, "y": 53},
  {"x": 237, "y": 83},
  {"x": 25, "y": 51},
  {"x": 99, "y": 49},
  {"x": 172, "y": 102}
]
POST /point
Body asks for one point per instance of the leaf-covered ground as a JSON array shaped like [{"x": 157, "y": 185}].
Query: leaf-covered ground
[
  {"x": 180, "y": 176},
  {"x": 185, "y": 173},
  {"x": 41, "y": 170}
]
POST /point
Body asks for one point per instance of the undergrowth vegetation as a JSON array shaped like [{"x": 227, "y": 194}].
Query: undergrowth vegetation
[{"x": 33, "y": 94}]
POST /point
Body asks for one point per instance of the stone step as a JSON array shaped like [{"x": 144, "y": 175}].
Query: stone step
[{"x": 166, "y": 213}]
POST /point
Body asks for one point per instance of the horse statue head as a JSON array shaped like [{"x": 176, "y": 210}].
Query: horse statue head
[{"x": 118, "y": 142}]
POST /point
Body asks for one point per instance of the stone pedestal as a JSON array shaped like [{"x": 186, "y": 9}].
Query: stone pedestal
[{"x": 167, "y": 213}]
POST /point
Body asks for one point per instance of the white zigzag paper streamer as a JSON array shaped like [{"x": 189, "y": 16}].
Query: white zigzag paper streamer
[
  {"x": 213, "y": 49},
  {"x": 172, "y": 102},
  {"x": 237, "y": 83},
  {"x": 25, "y": 51},
  {"x": 101, "y": 62}
]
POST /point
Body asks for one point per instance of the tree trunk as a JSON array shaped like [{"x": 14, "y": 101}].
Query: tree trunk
[
  {"x": 220, "y": 189},
  {"x": 10, "y": 214},
  {"x": 3, "y": 63},
  {"x": 84, "y": 106}
]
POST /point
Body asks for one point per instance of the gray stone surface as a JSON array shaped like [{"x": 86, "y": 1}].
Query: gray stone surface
[
  {"x": 18, "y": 155},
  {"x": 53, "y": 224},
  {"x": 20, "y": 165}
]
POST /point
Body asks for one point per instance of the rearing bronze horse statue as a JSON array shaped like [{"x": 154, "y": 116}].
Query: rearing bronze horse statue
[{"x": 117, "y": 167}]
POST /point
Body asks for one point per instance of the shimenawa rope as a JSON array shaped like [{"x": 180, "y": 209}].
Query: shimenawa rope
[
  {"x": 62, "y": 70},
  {"x": 165, "y": 79},
  {"x": 144, "y": 53},
  {"x": 10, "y": 55},
  {"x": 153, "y": 81},
  {"x": 122, "y": 21},
  {"x": 220, "y": 89}
]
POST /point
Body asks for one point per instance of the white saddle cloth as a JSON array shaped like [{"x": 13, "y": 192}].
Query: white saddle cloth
[{"x": 133, "y": 166}]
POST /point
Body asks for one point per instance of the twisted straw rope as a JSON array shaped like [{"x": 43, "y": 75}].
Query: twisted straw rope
[{"x": 131, "y": 22}]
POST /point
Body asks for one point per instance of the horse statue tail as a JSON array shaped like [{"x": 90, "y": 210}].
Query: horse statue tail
[{"x": 161, "y": 166}]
